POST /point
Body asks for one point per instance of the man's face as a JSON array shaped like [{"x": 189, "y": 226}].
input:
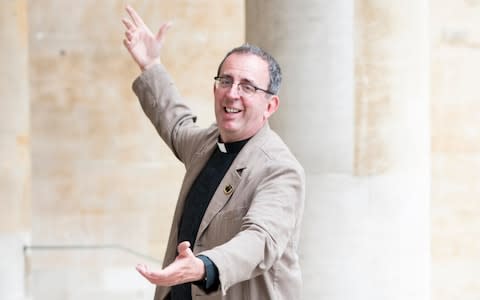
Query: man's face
[{"x": 240, "y": 116}]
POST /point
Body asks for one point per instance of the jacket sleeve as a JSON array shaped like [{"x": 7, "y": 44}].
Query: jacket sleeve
[
  {"x": 161, "y": 102},
  {"x": 268, "y": 227}
]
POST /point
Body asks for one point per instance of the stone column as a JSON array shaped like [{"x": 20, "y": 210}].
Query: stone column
[
  {"x": 14, "y": 148},
  {"x": 354, "y": 110}
]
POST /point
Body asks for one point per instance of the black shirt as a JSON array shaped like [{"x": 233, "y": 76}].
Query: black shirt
[{"x": 196, "y": 204}]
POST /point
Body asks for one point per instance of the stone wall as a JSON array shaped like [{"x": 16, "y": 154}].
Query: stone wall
[
  {"x": 455, "y": 115},
  {"x": 15, "y": 173},
  {"x": 83, "y": 172},
  {"x": 355, "y": 111}
]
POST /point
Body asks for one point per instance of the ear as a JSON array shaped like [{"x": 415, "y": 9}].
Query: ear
[{"x": 272, "y": 106}]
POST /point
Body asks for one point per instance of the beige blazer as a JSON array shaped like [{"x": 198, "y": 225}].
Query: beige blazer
[{"x": 251, "y": 233}]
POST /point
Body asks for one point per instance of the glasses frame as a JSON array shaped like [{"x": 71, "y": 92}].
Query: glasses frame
[{"x": 256, "y": 88}]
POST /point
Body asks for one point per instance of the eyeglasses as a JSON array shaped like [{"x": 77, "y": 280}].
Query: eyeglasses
[{"x": 245, "y": 88}]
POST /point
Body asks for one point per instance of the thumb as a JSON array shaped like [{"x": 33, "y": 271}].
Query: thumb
[
  {"x": 162, "y": 32},
  {"x": 184, "y": 248}
]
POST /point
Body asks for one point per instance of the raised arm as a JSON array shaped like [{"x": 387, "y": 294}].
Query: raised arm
[{"x": 142, "y": 44}]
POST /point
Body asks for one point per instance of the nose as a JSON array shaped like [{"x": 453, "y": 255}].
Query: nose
[{"x": 234, "y": 91}]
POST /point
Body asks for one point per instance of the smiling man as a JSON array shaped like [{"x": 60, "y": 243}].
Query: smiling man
[
  {"x": 242, "y": 110},
  {"x": 236, "y": 226}
]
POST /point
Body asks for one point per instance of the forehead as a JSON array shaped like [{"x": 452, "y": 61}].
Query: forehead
[{"x": 246, "y": 66}]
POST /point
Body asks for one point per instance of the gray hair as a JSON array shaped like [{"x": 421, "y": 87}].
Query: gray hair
[{"x": 274, "y": 71}]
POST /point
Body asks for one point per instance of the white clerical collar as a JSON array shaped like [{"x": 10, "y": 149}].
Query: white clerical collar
[
  {"x": 221, "y": 147},
  {"x": 231, "y": 148}
]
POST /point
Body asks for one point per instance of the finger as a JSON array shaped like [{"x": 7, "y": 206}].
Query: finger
[
  {"x": 135, "y": 17},
  {"x": 183, "y": 246},
  {"x": 150, "y": 279},
  {"x": 142, "y": 268},
  {"x": 188, "y": 252},
  {"x": 127, "y": 44},
  {"x": 159, "y": 278},
  {"x": 149, "y": 275},
  {"x": 128, "y": 24},
  {"x": 184, "y": 250},
  {"x": 129, "y": 35},
  {"x": 162, "y": 32}
]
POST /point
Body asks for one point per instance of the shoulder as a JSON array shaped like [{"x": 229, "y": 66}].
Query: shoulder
[
  {"x": 269, "y": 152},
  {"x": 198, "y": 139}
]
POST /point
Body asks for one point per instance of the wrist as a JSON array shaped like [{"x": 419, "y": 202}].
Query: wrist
[
  {"x": 149, "y": 65},
  {"x": 202, "y": 269}
]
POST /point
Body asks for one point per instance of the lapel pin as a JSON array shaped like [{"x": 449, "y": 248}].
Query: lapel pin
[{"x": 228, "y": 189}]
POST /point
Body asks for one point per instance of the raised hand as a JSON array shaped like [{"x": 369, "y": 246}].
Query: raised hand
[
  {"x": 142, "y": 44},
  {"x": 185, "y": 268}
]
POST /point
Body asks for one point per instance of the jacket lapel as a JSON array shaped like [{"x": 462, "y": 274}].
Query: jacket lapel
[
  {"x": 228, "y": 186},
  {"x": 200, "y": 158},
  {"x": 225, "y": 190}
]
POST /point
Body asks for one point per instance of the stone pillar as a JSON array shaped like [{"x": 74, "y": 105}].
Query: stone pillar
[
  {"x": 354, "y": 110},
  {"x": 14, "y": 148}
]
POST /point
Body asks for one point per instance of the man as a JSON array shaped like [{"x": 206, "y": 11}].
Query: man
[{"x": 236, "y": 226}]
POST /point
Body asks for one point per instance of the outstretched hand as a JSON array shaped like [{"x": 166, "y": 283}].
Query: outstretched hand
[
  {"x": 185, "y": 268},
  {"x": 142, "y": 44}
]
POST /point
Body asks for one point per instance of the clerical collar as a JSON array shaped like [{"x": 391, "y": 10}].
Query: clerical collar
[{"x": 233, "y": 147}]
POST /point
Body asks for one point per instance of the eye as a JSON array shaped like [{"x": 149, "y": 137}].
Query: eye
[
  {"x": 247, "y": 88},
  {"x": 225, "y": 81}
]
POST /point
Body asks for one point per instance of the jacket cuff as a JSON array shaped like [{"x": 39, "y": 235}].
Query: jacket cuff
[{"x": 211, "y": 281}]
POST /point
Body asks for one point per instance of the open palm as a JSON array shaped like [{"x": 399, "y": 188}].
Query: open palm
[
  {"x": 139, "y": 40},
  {"x": 185, "y": 268}
]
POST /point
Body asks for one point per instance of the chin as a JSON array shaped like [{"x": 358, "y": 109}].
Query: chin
[{"x": 229, "y": 126}]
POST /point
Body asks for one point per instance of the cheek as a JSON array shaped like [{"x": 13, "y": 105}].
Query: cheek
[
  {"x": 256, "y": 109},
  {"x": 217, "y": 100}
]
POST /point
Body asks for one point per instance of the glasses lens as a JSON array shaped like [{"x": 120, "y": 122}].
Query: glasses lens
[
  {"x": 224, "y": 82},
  {"x": 246, "y": 88}
]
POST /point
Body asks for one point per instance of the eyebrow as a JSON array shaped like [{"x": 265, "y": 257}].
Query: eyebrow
[{"x": 243, "y": 80}]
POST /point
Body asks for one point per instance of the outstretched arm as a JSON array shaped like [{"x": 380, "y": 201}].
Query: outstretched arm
[{"x": 142, "y": 44}]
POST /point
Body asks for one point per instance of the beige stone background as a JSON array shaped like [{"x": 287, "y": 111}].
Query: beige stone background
[
  {"x": 455, "y": 127},
  {"x": 80, "y": 165}
]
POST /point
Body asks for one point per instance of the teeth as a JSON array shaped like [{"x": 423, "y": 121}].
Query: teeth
[{"x": 231, "y": 110}]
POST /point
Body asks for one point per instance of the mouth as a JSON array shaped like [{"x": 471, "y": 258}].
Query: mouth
[{"x": 231, "y": 110}]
